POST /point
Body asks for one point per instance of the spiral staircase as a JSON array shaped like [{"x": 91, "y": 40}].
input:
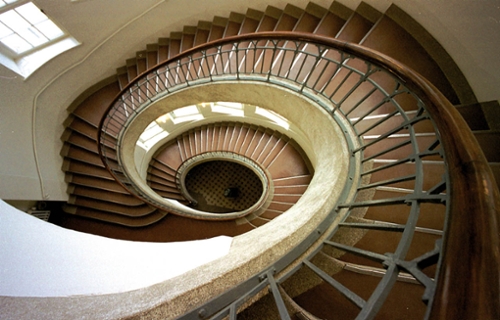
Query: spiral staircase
[{"x": 380, "y": 257}]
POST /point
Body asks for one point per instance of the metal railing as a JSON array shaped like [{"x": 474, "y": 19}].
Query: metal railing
[{"x": 408, "y": 134}]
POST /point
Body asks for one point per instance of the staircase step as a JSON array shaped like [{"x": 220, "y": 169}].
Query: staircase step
[
  {"x": 163, "y": 187},
  {"x": 122, "y": 75},
  {"x": 490, "y": 144},
  {"x": 131, "y": 69},
  {"x": 83, "y": 155},
  {"x": 174, "y": 46},
  {"x": 269, "y": 20},
  {"x": 287, "y": 198},
  {"x": 423, "y": 140},
  {"x": 279, "y": 206},
  {"x": 474, "y": 116},
  {"x": 85, "y": 169},
  {"x": 271, "y": 213},
  {"x": 292, "y": 181},
  {"x": 163, "y": 49},
  {"x": 141, "y": 61},
  {"x": 288, "y": 18},
  {"x": 308, "y": 21},
  {"x": 288, "y": 163},
  {"x": 202, "y": 32},
  {"x": 251, "y": 21},
  {"x": 383, "y": 123},
  {"x": 388, "y": 37},
  {"x": 93, "y": 108},
  {"x": 291, "y": 189},
  {"x": 171, "y": 195},
  {"x": 95, "y": 182},
  {"x": 161, "y": 166},
  {"x": 169, "y": 155},
  {"x": 188, "y": 35},
  {"x": 354, "y": 29},
  {"x": 152, "y": 55},
  {"x": 170, "y": 182},
  {"x": 433, "y": 172},
  {"x": 82, "y": 141},
  {"x": 114, "y": 218},
  {"x": 332, "y": 22},
  {"x": 218, "y": 27},
  {"x": 84, "y": 128},
  {"x": 130, "y": 211},
  {"x": 162, "y": 178},
  {"x": 107, "y": 196}
]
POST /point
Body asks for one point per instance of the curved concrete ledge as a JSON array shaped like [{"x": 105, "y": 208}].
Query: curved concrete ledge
[
  {"x": 293, "y": 107},
  {"x": 40, "y": 259},
  {"x": 250, "y": 253}
]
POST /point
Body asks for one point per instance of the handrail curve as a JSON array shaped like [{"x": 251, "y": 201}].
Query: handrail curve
[{"x": 467, "y": 284}]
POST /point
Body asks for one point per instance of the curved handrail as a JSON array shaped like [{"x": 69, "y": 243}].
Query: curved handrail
[{"x": 470, "y": 287}]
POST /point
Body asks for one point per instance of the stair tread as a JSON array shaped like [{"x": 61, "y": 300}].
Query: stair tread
[
  {"x": 93, "y": 108},
  {"x": 97, "y": 182},
  {"x": 131, "y": 211},
  {"x": 116, "y": 219},
  {"x": 381, "y": 38},
  {"x": 354, "y": 29},
  {"x": 106, "y": 195}
]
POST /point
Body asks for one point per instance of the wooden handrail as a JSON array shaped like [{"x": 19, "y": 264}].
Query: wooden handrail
[{"x": 468, "y": 282}]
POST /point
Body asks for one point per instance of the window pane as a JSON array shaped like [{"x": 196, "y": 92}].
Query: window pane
[
  {"x": 16, "y": 43},
  {"x": 5, "y": 2},
  {"x": 14, "y": 21},
  {"x": 33, "y": 36},
  {"x": 49, "y": 29},
  {"x": 31, "y": 13},
  {"x": 4, "y": 31}
]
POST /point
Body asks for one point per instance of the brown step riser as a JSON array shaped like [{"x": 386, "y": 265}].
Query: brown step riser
[
  {"x": 432, "y": 175},
  {"x": 405, "y": 49},
  {"x": 400, "y": 153},
  {"x": 117, "y": 218},
  {"x": 161, "y": 181},
  {"x": 293, "y": 181},
  {"x": 106, "y": 196},
  {"x": 93, "y": 182},
  {"x": 136, "y": 211}
]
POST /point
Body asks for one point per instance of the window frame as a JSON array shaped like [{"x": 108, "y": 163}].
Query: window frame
[{"x": 20, "y": 62}]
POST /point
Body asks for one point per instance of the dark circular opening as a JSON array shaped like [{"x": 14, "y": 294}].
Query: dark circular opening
[{"x": 223, "y": 186}]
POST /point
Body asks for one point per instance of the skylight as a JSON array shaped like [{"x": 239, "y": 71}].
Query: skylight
[
  {"x": 276, "y": 118},
  {"x": 189, "y": 113},
  {"x": 28, "y": 38},
  {"x": 231, "y": 108}
]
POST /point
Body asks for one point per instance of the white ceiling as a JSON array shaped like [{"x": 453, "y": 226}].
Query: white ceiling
[{"x": 32, "y": 110}]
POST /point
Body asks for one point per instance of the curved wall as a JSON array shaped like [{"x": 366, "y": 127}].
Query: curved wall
[{"x": 40, "y": 259}]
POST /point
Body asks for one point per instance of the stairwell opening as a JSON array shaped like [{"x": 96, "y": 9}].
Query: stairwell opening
[{"x": 221, "y": 186}]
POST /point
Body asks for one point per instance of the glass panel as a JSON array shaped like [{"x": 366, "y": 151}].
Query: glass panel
[
  {"x": 14, "y": 21},
  {"x": 31, "y": 13},
  {"x": 190, "y": 110},
  {"x": 16, "y": 43},
  {"x": 5, "y": 2},
  {"x": 33, "y": 36},
  {"x": 279, "y": 120},
  {"x": 49, "y": 29},
  {"x": 33, "y": 61},
  {"x": 4, "y": 31}
]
